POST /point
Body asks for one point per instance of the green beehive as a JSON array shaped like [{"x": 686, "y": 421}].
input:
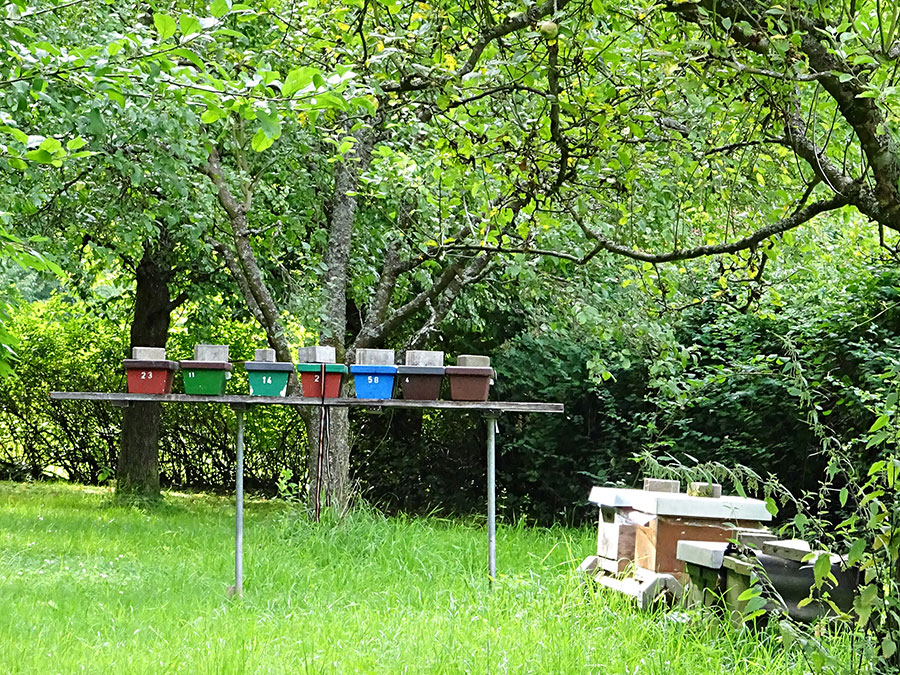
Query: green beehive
[
  {"x": 207, "y": 374},
  {"x": 204, "y": 380},
  {"x": 267, "y": 376}
]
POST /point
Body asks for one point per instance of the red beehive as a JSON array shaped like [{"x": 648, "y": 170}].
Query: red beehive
[{"x": 149, "y": 377}]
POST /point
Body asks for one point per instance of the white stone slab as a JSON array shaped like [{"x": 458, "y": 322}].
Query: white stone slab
[
  {"x": 316, "y": 354},
  {"x": 666, "y": 504},
  {"x": 662, "y": 485},
  {"x": 264, "y": 355},
  {"x": 419, "y": 357},
  {"x": 375, "y": 357},
  {"x": 210, "y": 352},
  {"x": 148, "y": 353},
  {"x": 473, "y": 361},
  {"x": 790, "y": 549},
  {"x": 704, "y": 553},
  {"x": 752, "y": 538}
]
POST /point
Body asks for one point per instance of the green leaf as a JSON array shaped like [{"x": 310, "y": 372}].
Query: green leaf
[
  {"x": 211, "y": 115},
  {"x": 76, "y": 143},
  {"x": 888, "y": 648},
  {"x": 297, "y": 79},
  {"x": 822, "y": 567},
  {"x": 40, "y": 156},
  {"x": 856, "y": 552},
  {"x": 755, "y": 604},
  {"x": 365, "y": 103},
  {"x": 261, "y": 141},
  {"x": 188, "y": 24},
  {"x": 50, "y": 145},
  {"x": 190, "y": 56},
  {"x": 18, "y": 134},
  {"x": 270, "y": 124},
  {"x": 749, "y": 593},
  {"x": 17, "y": 163},
  {"x": 220, "y": 8},
  {"x": 771, "y": 506},
  {"x": 880, "y": 422},
  {"x": 165, "y": 25}
]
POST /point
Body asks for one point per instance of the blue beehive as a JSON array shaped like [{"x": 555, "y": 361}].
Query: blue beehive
[{"x": 374, "y": 382}]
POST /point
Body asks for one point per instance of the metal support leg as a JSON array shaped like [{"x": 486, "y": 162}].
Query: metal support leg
[
  {"x": 239, "y": 507},
  {"x": 492, "y": 497}
]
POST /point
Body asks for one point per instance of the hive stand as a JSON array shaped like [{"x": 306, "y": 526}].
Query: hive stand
[{"x": 240, "y": 404}]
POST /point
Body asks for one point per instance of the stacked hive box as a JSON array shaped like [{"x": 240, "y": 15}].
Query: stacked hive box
[
  {"x": 374, "y": 373},
  {"x": 148, "y": 371},
  {"x": 470, "y": 378},
  {"x": 320, "y": 376},
  {"x": 267, "y": 376},
  {"x": 208, "y": 372},
  {"x": 421, "y": 377}
]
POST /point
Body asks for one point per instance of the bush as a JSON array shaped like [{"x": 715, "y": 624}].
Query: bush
[{"x": 63, "y": 348}]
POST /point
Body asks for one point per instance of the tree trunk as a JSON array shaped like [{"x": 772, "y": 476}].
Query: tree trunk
[{"x": 138, "y": 470}]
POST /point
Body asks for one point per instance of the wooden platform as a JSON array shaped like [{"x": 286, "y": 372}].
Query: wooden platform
[{"x": 482, "y": 406}]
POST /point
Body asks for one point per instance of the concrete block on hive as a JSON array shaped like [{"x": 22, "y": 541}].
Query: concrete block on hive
[
  {"x": 316, "y": 354},
  {"x": 217, "y": 353},
  {"x": 661, "y": 485},
  {"x": 148, "y": 353},
  {"x": 264, "y": 355},
  {"x": 790, "y": 549},
  {"x": 473, "y": 361},
  {"x": 420, "y": 357},
  {"x": 753, "y": 538},
  {"x": 374, "y": 357},
  {"x": 703, "y": 553}
]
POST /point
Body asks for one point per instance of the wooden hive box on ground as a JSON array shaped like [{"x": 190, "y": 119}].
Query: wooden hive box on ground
[{"x": 661, "y": 519}]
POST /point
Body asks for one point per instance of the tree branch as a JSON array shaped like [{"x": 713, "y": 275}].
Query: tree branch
[{"x": 794, "y": 220}]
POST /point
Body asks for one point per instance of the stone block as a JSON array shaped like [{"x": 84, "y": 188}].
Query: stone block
[
  {"x": 752, "y": 538},
  {"x": 316, "y": 354},
  {"x": 419, "y": 357},
  {"x": 374, "y": 357},
  {"x": 703, "y": 553},
  {"x": 473, "y": 361},
  {"x": 790, "y": 549},
  {"x": 148, "y": 353},
  {"x": 264, "y": 355},
  {"x": 661, "y": 485},
  {"x": 698, "y": 489},
  {"x": 211, "y": 353}
]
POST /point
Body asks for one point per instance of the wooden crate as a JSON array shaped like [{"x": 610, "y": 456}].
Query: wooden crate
[
  {"x": 615, "y": 545},
  {"x": 656, "y": 543}
]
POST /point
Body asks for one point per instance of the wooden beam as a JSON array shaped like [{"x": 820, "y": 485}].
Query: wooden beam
[{"x": 484, "y": 406}]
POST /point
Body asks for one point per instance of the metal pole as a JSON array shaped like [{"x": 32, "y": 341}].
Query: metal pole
[
  {"x": 239, "y": 507},
  {"x": 492, "y": 498}
]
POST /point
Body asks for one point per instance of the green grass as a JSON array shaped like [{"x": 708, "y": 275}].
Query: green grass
[{"x": 87, "y": 586}]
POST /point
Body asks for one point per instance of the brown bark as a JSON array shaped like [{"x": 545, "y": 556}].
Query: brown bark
[
  {"x": 340, "y": 238},
  {"x": 242, "y": 261},
  {"x": 138, "y": 467}
]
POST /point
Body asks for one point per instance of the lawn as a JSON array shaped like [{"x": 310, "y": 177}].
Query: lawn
[{"x": 88, "y": 586}]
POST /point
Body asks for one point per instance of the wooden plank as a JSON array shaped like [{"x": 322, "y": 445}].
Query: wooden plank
[{"x": 484, "y": 406}]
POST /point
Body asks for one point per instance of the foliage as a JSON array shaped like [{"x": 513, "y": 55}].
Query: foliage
[{"x": 64, "y": 348}]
